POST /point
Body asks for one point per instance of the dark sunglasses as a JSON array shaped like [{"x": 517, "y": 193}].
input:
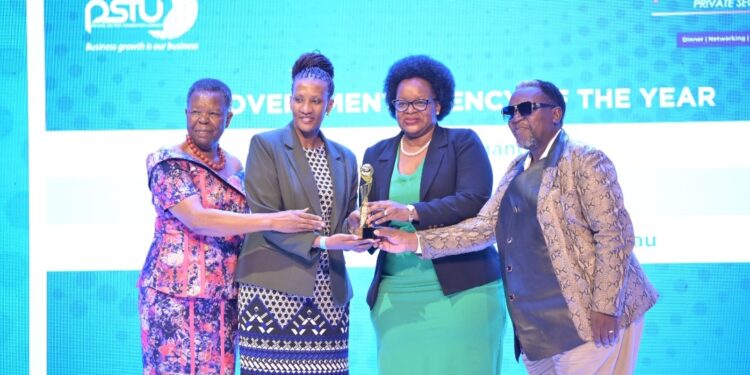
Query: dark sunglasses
[{"x": 524, "y": 109}]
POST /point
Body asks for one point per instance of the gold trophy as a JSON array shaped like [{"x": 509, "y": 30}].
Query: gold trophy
[{"x": 365, "y": 173}]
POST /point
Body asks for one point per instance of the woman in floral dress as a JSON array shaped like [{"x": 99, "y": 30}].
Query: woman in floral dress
[{"x": 187, "y": 294}]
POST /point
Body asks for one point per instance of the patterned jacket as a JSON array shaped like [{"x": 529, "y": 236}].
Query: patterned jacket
[{"x": 587, "y": 230}]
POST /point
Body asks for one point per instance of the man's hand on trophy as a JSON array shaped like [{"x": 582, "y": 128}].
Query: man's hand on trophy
[{"x": 396, "y": 241}]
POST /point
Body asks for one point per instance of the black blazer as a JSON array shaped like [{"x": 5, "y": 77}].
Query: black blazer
[{"x": 456, "y": 183}]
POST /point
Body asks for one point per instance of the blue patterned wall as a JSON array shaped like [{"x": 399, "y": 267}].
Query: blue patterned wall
[
  {"x": 688, "y": 49},
  {"x": 14, "y": 190}
]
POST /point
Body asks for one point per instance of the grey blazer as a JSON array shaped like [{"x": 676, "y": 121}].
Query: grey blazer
[{"x": 278, "y": 178}]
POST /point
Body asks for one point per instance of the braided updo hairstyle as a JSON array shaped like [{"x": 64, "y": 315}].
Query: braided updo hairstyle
[{"x": 314, "y": 65}]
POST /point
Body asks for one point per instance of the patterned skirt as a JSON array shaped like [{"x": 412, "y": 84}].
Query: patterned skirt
[
  {"x": 285, "y": 334},
  {"x": 187, "y": 335}
]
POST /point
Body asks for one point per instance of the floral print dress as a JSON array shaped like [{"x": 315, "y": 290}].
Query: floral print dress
[{"x": 188, "y": 298}]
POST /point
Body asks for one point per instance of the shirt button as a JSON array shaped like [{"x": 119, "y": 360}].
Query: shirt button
[
  {"x": 516, "y": 209},
  {"x": 509, "y": 240},
  {"x": 512, "y": 297},
  {"x": 509, "y": 268}
]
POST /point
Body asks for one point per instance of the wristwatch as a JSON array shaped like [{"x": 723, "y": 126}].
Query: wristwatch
[{"x": 410, "y": 207}]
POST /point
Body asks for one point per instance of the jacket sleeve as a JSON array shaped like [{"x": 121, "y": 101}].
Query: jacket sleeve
[
  {"x": 603, "y": 208},
  {"x": 472, "y": 234},
  {"x": 265, "y": 195}
]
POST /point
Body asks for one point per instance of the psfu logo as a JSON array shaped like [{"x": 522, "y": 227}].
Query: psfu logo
[{"x": 133, "y": 14}]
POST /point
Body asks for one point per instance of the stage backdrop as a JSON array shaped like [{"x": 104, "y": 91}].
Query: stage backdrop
[{"x": 661, "y": 86}]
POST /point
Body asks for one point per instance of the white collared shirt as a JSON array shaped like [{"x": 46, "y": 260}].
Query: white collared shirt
[{"x": 527, "y": 162}]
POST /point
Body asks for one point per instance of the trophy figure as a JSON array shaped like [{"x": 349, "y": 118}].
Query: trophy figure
[{"x": 365, "y": 173}]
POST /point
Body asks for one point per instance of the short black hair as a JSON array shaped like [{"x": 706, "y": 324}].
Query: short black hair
[
  {"x": 549, "y": 90},
  {"x": 314, "y": 65},
  {"x": 212, "y": 85},
  {"x": 428, "y": 69}
]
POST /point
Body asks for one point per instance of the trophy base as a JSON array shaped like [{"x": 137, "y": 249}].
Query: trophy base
[{"x": 368, "y": 233}]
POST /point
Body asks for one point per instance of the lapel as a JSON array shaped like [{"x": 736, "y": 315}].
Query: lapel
[
  {"x": 555, "y": 152},
  {"x": 514, "y": 169},
  {"x": 297, "y": 162},
  {"x": 340, "y": 181},
  {"x": 550, "y": 167},
  {"x": 386, "y": 162},
  {"x": 434, "y": 158}
]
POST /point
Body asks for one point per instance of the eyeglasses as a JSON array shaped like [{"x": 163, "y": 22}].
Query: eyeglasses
[
  {"x": 418, "y": 104},
  {"x": 524, "y": 109}
]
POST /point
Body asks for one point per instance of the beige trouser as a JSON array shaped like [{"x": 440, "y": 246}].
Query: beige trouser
[{"x": 587, "y": 359}]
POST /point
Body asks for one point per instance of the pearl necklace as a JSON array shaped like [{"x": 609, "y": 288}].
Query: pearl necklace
[
  {"x": 415, "y": 153},
  {"x": 215, "y": 166}
]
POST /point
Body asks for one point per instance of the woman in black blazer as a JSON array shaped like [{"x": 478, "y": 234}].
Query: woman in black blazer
[{"x": 443, "y": 316}]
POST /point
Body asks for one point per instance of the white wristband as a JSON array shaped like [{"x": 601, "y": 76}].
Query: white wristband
[{"x": 322, "y": 243}]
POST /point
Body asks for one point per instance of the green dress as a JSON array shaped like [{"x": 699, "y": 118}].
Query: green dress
[{"x": 421, "y": 331}]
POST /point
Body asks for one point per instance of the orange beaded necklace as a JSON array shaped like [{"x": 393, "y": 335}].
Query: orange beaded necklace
[{"x": 197, "y": 152}]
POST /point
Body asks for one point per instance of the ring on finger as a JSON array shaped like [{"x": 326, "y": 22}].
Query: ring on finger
[{"x": 385, "y": 212}]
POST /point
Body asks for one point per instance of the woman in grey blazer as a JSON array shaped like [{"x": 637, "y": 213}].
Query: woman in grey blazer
[{"x": 294, "y": 289}]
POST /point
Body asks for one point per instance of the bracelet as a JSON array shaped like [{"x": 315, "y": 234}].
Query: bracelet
[
  {"x": 410, "y": 208},
  {"x": 322, "y": 243},
  {"x": 418, "y": 251}
]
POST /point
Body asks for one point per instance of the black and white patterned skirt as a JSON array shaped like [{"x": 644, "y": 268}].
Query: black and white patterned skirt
[{"x": 286, "y": 334}]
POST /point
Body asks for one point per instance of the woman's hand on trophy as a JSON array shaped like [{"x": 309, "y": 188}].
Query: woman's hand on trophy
[
  {"x": 352, "y": 242},
  {"x": 384, "y": 211},
  {"x": 396, "y": 241}
]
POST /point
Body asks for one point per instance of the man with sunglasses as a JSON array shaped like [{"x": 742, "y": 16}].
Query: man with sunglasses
[{"x": 575, "y": 291}]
